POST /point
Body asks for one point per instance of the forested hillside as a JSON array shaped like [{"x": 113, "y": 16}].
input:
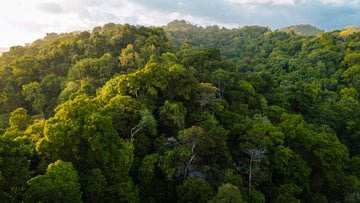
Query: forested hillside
[
  {"x": 302, "y": 29},
  {"x": 181, "y": 113}
]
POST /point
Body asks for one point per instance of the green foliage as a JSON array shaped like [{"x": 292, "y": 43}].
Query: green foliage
[
  {"x": 302, "y": 29},
  {"x": 82, "y": 134},
  {"x": 256, "y": 196},
  {"x": 95, "y": 186},
  {"x": 122, "y": 192},
  {"x": 148, "y": 122},
  {"x": 182, "y": 85},
  {"x": 25, "y": 70},
  {"x": 19, "y": 119},
  {"x": 287, "y": 193},
  {"x": 221, "y": 78},
  {"x": 202, "y": 113},
  {"x": 32, "y": 93},
  {"x": 126, "y": 111},
  {"x": 96, "y": 71},
  {"x": 291, "y": 165},
  {"x": 14, "y": 53},
  {"x": 349, "y": 93},
  {"x": 59, "y": 184},
  {"x": 228, "y": 193},
  {"x": 4, "y": 120},
  {"x": 173, "y": 115},
  {"x": 207, "y": 94},
  {"x": 194, "y": 190},
  {"x": 129, "y": 58},
  {"x": 329, "y": 151},
  {"x": 13, "y": 170}
]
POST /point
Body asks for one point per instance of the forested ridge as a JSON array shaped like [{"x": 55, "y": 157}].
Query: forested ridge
[
  {"x": 181, "y": 113},
  {"x": 302, "y": 29}
]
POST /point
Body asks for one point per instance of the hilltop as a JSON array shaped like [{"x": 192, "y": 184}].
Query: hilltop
[{"x": 306, "y": 30}]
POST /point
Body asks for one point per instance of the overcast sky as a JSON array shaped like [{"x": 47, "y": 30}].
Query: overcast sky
[{"x": 23, "y": 21}]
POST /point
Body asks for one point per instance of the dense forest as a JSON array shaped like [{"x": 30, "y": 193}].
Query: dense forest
[
  {"x": 181, "y": 113},
  {"x": 302, "y": 29}
]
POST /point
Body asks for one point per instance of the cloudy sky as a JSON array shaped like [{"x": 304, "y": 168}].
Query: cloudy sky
[{"x": 23, "y": 21}]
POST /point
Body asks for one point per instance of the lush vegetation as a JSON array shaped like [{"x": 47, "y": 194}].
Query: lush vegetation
[
  {"x": 302, "y": 29},
  {"x": 181, "y": 114}
]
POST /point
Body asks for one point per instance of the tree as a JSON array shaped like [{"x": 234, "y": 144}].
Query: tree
[
  {"x": 69, "y": 91},
  {"x": 26, "y": 70},
  {"x": 182, "y": 85},
  {"x": 51, "y": 88},
  {"x": 81, "y": 132},
  {"x": 95, "y": 47},
  {"x": 303, "y": 97},
  {"x": 14, "y": 53},
  {"x": 94, "y": 186},
  {"x": 221, "y": 78},
  {"x": 172, "y": 115},
  {"x": 273, "y": 113},
  {"x": 146, "y": 84},
  {"x": 126, "y": 113},
  {"x": 347, "y": 120},
  {"x": 288, "y": 193},
  {"x": 349, "y": 93},
  {"x": 33, "y": 94},
  {"x": 197, "y": 142},
  {"x": 96, "y": 71},
  {"x": 329, "y": 153},
  {"x": 129, "y": 58},
  {"x": 196, "y": 139},
  {"x": 194, "y": 190},
  {"x": 14, "y": 167},
  {"x": 147, "y": 123},
  {"x": 352, "y": 59},
  {"x": 10, "y": 96},
  {"x": 185, "y": 54},
  {"x": 19, "y": 119},
  {"x": 59, "y": 184},
  {"x": 291, "y": 166},
  {"x": 207, "y": 93},
  {"x": 159, "y": 169},
  {"x": 242, "y": 93},
  {"x": 228, "y": 193},
  {"x": 256, "y": 156},
  {"x": 350, "y": 75},
  {"x": 262, "y": 135}
]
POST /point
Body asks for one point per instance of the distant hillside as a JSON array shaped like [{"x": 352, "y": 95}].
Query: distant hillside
[
  {"x": 349, "y": 31},
  {"x": 229, "y": 41},
  {"x": 303, "y": 29}
]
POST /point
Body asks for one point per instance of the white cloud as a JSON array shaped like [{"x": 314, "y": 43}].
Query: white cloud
[
  {"x": 284, "y": 2},
  {"x": 25, "y": 21},
  {"x": 275, "y": 2},
  {"x": 174, "y": 15},
  {"x": 52, "y": 8},
  {"x": 248, "y": 1},
  {"x": 336, "y": 2}
]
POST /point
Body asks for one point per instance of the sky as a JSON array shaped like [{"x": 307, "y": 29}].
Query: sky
[{"x": 24, "y": 21}]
